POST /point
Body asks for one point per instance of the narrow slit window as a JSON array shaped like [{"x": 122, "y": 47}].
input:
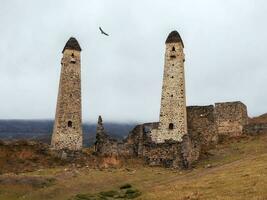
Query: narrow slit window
[
  {"x": 69, "y": 124},
  {"x": 171, "y": 126},
  {"x": 173, "y": 48},
  {"x": 72, "y": 60},
  {"x": 173, "y": 56}
]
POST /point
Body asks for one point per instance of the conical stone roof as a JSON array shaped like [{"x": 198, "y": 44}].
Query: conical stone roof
[
  {"x": 72, "y": 44},
  {"x": 174, "y": 37}
]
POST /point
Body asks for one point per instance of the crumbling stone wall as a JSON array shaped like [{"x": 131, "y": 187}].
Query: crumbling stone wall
[
  {"x": 139, "y": 136},
  {"x": 204, "y": 124},
  {"x": 201, "y": 122},
  {"x": 171, "y": 153},
  {"x": 231, "y": 117},
  {"x": 167, "y": 154},
  {"x": 108, "y": 146}
]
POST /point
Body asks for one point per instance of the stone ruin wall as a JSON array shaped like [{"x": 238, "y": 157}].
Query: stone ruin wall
[
  {"x": 202, "y": 135},
  {"x": 138, "y": 144},
  {"x": 201, "y": 123},
  {"x": 108, "y": 146},
  {"x": 231, "y": 117}
]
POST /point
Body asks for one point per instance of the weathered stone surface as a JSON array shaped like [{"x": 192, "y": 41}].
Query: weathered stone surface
[
  {"x": 201, "y": 123},
  {"x": 167, "y": 154},
  {"x": 172, "y": 154},
  {"x": 139, "y": 136},
  {"x": 108, "y": 146},
  {"x": 101, "y": 136},
  {"x": 172, "y": 120},
  {"x": 67, "y": 133},
  {"x": 139, "y": 144},
  {"x": 231, "y": 117},
  {"x": 202, "y": 135}
]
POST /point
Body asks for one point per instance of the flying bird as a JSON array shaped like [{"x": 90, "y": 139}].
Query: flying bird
[{"x": 103, "y": 31}]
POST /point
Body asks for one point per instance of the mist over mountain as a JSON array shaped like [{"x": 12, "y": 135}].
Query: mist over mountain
[{"x": 41, "y": 130}]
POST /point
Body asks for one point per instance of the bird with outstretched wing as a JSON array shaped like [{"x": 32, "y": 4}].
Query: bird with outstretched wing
[{"x": 103, "y": 31}]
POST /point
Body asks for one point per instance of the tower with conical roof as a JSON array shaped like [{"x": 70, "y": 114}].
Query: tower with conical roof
[
  {"x": 67, "y": 132},
  {"x": 173, "y": 120}
]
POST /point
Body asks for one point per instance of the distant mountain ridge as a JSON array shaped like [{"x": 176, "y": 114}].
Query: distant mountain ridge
[{"x": 42, "y": 129}]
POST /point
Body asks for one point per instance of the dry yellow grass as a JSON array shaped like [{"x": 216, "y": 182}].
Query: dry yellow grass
[{"x": 234, "y": 171}]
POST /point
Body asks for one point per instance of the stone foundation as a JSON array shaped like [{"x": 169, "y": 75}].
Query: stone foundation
[{"x": 139, "y": 144}]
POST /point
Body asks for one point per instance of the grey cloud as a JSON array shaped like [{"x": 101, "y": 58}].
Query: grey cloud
[{"x": 225, "y": 46}]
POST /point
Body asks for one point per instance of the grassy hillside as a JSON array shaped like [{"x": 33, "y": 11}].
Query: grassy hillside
[
  {"x": 260, "y": 119},
  {"x": 237, "y": 170}
]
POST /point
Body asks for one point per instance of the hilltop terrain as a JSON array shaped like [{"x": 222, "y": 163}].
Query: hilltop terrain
[
  {"x": 234, "y": 170},
  {"x": 260, "y": 119}
]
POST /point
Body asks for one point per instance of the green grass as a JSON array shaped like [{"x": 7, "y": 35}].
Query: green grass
[{"x": 125, "y": 192}]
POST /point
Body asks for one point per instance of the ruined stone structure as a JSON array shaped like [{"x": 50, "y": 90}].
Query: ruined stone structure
[
  {"x": 106, "y": 145},
  {"x": 182, "y": 133},
  {"x": 201, "y": 123},
  {"x": 203, "y": 135},
  {"x": 67, "y": 133},
  {"x": 172, "y": 122},
  {"x": 177, "y": 140},
  {"x": 231, "y": 117},
  {"x": 138, "y": 144}
]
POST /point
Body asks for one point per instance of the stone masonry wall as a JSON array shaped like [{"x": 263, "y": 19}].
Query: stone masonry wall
[
  {"x": 139, "y": 136},
  {"x": 171, "y": 153},
  {"x": 201, "y": 122},
  {"x": 231, "y": 117},
  {"x": 107, "y": 146}
]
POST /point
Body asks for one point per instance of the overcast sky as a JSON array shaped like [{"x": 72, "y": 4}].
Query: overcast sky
[{"x": 225, "y": 46}]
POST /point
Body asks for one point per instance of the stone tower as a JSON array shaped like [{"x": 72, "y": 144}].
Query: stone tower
[
  {"x": 173, "y": 120},
  {"x": 67, "y": 133}
]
